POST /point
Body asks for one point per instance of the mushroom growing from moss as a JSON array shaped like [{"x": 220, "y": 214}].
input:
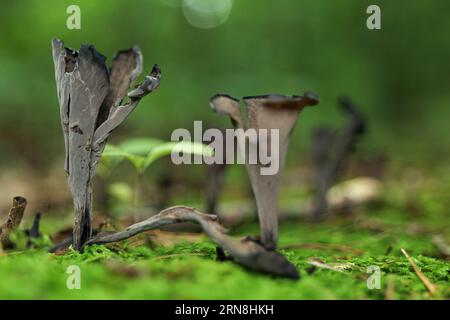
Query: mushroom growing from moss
[
  {"x": 90, "y": 100},
  {"x": 266, "y": 112}
]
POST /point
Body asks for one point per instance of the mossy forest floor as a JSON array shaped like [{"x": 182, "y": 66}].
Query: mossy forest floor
[{"x": 161, "y": 266}]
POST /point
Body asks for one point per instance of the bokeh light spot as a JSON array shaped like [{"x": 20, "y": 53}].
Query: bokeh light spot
[{"x": 206, "y": 14}]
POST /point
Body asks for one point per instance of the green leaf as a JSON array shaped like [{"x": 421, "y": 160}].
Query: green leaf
[
  {"x": 112, "y": 151},
  {"x": 140, "y": 146},
  {"x": 142, "y": 152},
  {"x": 175, "y": 147}
]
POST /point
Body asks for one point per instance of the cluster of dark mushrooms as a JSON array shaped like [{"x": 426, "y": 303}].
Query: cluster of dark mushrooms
[{"x": 92, "y": 104}]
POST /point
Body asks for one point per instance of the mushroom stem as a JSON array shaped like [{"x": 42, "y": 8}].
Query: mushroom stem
[{"x": 266, "y": 193}]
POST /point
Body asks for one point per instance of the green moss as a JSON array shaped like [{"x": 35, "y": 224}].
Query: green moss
[
  {"x": 176, "y": 273},
  {"x": 190, "y": 271}
]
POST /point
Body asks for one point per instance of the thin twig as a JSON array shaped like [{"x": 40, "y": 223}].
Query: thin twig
[
  {"x": 246, "y": 252},
  {"x": 323, "y": 265},
  {"x": 427, "y": 283}
]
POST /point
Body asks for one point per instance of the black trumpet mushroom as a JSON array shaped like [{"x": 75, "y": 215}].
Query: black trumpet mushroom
[
  {"x": 269, "y": 112},
  {"x": 90, "y": 99},
  {"x": 331, "y": 152}
]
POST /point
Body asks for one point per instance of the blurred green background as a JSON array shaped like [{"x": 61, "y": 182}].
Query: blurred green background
[{"x": 399, "y": 75}]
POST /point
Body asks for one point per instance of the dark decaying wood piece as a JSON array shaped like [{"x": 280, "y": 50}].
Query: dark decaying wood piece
[
  {"x": 90, "y": 99},
  {"x": 12, "y": 223},
  {"x": 331, "y": 151},
  {"x": 266, "y": 112},
  {"x": 246, "y": 252}
]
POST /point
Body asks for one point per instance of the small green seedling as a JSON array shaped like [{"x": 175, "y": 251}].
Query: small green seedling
[{"x": 141, "y": 153}]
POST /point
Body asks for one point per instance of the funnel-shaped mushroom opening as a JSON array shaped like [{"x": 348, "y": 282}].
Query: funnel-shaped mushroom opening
[
  {"x": 89, "y": 96},
  {"x": 278, "y": 115},
  {"x": 276, "y": 112},
  {"x": 125, "y": 68},
  {"x": 228, "y": 105}
]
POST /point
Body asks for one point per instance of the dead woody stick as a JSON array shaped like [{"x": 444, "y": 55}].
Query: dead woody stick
[
  {"x": 90, "y": 98},
  {"x": 423, "y": 278},
  {"x": 14, "y": 218}
]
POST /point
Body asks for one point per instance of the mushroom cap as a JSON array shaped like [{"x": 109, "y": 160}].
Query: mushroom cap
[
  {"x": 282, "y": 101},
  {"x": 228, "y": 105},
  {"x": 223, "y": 103},
  {"x": 125, "y": 68},
  {"x": 277, "y": 111}
]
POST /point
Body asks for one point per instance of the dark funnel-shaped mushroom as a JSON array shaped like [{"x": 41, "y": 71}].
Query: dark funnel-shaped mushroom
[
  {"x": 90, "y": 99},
  {"x": 266, "y": 112},
  {"x": 331, "y": 152}
]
